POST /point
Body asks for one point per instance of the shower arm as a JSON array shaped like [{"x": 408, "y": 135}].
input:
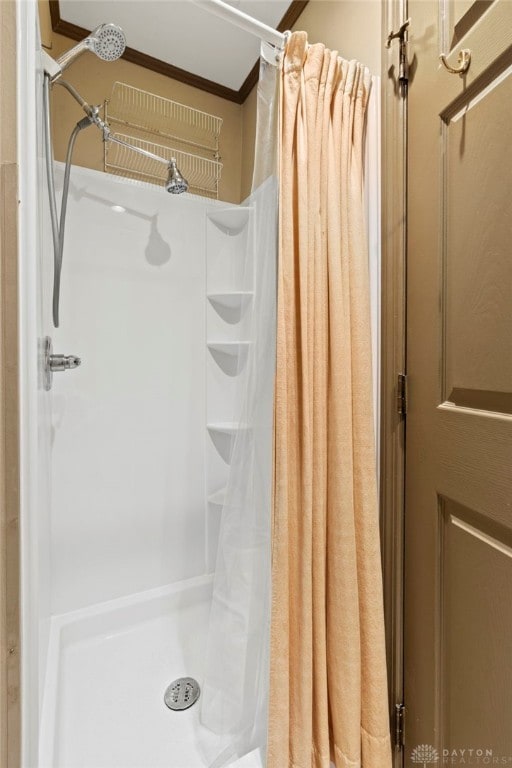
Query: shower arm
[
  {"x": 93, "y": 113},
  {"x": 108, "y": 136}
]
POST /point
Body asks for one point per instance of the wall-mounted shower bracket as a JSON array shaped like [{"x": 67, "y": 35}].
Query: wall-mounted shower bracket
[{"x": 50, "y": 66}]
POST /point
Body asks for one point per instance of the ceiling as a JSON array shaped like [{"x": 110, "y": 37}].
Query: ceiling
[{"x": 177, "y": 36}]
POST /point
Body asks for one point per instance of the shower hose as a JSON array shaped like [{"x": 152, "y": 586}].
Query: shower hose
[{"x": 58, "y": 224}]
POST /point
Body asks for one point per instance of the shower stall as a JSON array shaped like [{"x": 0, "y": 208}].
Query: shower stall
[
  {"x": 128, "y": 460},
  {"x": 140, "y": 446},
  {"x": 132, "y": 450}
]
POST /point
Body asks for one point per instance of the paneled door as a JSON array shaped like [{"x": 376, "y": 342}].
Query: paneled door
[{"x": 458, "y": 518}]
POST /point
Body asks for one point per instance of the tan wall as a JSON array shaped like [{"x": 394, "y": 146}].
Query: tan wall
[
  {"x": 94, "y": 79},
  {"x": 352, "y": 27},
  {"x": 45, "y": 24},
  {"x": 9, "y": 428}
]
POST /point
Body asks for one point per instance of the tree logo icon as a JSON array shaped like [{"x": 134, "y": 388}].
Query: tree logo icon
[{"x": 424, "y": 754}]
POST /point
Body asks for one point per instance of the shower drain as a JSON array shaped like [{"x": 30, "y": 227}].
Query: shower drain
[{"x": 182, "y": 693}]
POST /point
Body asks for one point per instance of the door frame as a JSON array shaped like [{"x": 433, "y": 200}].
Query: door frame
[
  {"x": 9, "y": 399},
  {"x": 393, "y": 363}
]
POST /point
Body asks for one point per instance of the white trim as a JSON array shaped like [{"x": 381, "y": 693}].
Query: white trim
[
  {"x": 26, "y": 53},
  {"x": 243, "y": 21}
]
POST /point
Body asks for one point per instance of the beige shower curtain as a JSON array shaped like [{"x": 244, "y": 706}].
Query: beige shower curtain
[{"x": 328, "y": 688}]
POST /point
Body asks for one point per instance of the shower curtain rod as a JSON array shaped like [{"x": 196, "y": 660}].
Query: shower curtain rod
[{"x": 243, "y": 20}]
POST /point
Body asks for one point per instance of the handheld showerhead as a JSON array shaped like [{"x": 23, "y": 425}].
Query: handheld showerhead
[
  {"x": 175, "y": 183},
  {"x": 107, "y": 41}
]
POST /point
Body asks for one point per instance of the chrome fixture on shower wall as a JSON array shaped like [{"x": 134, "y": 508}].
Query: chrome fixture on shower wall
[
  {"x": 50, "y": 363},
  {"x": 175, "y": 183},
  {"x": 107, "y": 41}
]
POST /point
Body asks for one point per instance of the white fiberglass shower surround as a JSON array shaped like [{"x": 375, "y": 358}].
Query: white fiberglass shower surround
[
  {"x": 140, "y": 455},
  {"x": 126, "y": 460}
]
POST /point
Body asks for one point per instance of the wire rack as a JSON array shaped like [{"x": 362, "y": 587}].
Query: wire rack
[
  {"x": 202, "y": 174},
  {"x": 164, "y": 118}
]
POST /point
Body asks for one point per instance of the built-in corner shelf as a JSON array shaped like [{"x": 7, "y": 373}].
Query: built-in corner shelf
[
  {"x": 223, "y": 436},
  {"x": 231, "y": 306},
  {"x": 230, "y": 220},
  {"x": 218, "y": 498},
  {"x": 230, "y": 356}
]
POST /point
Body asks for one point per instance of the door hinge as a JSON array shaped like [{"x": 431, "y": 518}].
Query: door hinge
[
  {"x": 401, "y": 394},
  {"x": 403, "y": 61},
  {"x": 399, "y": 726}
]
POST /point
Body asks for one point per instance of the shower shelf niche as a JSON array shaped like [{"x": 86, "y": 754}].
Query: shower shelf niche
[
  {"x": 223, "y": 436},
  {"x": 230, "y": 306},
  {"x": 231, "y": 221},
  {"x": 230, "y": 296},
  {"x": 218, "y": 498},
  {"x": 230, "y": 356}
]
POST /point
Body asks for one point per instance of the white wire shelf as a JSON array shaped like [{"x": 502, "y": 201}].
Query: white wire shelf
[
  {"x": 202, "y": 174},
  {"x": 162, "y": 117}
]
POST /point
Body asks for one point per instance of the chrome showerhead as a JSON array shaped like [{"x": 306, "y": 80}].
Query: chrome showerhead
[
  {"x": 175, "y": 183},
  {"x": 107, "y": 41}
]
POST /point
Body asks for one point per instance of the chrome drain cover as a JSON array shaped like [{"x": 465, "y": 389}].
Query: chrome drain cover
[{"x": 182, "y": 693}]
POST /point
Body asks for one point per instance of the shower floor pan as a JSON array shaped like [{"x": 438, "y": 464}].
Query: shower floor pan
[{"x": 108, "y": 668}]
